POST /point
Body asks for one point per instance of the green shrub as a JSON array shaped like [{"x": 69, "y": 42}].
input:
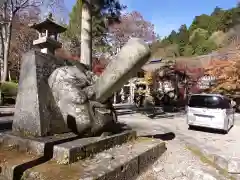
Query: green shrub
[{"x": 9, "y": 89}]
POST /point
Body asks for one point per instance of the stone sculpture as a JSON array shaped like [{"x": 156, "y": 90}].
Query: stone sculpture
[
  {"x": 74, "y": 92},
  {"x": 81, "y": 96},
  {"x": 57, "y": 96}
]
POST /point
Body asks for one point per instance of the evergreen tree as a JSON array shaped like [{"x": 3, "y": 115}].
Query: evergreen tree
[
  {"x": 104, "y": 12},
  {"x": 183, "y": 38},
  {"x": 206, "y": 33},
  {"x": 172, "y": 38}
]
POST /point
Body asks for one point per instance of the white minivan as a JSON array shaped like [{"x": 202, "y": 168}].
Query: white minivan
[{"x": 211, "y": 111}]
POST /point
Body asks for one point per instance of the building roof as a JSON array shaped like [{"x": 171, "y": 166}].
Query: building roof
[
  {"x": 48, "y": 24},
  {"x": 155, "y": 64},
  {"x": 198, "y": 61}
]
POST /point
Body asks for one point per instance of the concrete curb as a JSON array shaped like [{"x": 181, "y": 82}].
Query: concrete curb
[
  {"x": 227, "y": 164},
  {"x": 5, "y": 121}
]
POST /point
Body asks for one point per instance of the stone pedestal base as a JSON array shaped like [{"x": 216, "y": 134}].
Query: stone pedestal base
[
  {"x": 36, "y": 113},
  {"x": 110, "y": 157}
]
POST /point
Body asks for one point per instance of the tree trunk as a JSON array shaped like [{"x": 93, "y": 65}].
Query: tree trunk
[
  {"x": 176, "y": 85},
  {"x": 1, "y": 53},
  {"x": 7, "y": 40},
  {"x": 6, "y": 33},
  {"x": 86, "y": 34},
  {"x": 1, "y": 63}
]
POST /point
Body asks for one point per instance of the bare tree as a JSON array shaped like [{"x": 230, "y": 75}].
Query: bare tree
[
  {"x": 22, "y": 38},
  {"x": 9, "y": 10},
  {"x": 131, "y": 25}
]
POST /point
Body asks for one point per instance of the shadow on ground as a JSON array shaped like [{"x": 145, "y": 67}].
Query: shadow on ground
[
  {"x": 165, "y": 137},
  {"x": 207, "y": 130},
  {"x": 151, "y": 112},
  {"x": 159, "y": 115}
]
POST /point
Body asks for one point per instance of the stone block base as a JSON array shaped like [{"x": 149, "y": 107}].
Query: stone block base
[
  {"x": 120, "y": 156},
  {"x": 36, "y": 146},
  {"x": 124, "y": 162},
  {"x": 75, "y": 150}
]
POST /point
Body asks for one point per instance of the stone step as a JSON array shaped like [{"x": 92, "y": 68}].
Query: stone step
[
  {"x": 6, "y": 111},
  {"x": 123, "y": 162},
  {"x": 124, "y": 106},
  {"x": 20, "y": 153},
  {"x": 124, "y": 111},
  {"x": 36, "y": 146},
  {"x": 72, "y": 151}
]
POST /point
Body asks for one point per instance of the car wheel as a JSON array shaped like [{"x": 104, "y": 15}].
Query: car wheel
[{"x": 225, "y": 131}]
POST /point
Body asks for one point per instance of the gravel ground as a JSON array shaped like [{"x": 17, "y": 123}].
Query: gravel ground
[
  {"x": 227, "y": 145},
  {"x": 178, "y": 163}
]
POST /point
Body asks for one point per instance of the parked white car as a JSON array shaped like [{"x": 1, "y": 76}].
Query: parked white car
[{"x": 210, "y": 110}]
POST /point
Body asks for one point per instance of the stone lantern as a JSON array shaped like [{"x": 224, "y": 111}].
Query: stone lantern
[{"x": 48, "y": 32}]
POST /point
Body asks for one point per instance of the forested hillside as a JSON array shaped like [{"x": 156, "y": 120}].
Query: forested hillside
[{"x": 205, "y": 34}]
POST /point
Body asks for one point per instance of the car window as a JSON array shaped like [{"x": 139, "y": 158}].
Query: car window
[{"x": 206, "y": 101}]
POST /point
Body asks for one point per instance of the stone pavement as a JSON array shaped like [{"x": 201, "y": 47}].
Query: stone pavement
[{"x": 223, "y": 150}]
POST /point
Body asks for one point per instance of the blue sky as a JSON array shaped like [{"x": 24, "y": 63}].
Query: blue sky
[{"x": 167, "y": 15}]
